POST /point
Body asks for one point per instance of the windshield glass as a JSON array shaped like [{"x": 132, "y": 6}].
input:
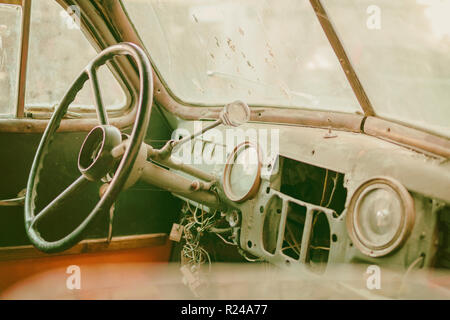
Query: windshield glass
[
  {"x": 214, "y": 52},
  {"x": 54, "y": 33},
  {"x": 400, "y": 51},
  {"x": 10, "y": 34}
]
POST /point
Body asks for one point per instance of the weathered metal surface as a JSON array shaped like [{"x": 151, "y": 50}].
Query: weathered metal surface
[
  {"x": 409, "y": 137},
  {"x": 360, "y": 157},
  {"x": 172, "y": 182},
  {"x": 180, "y": 166}
]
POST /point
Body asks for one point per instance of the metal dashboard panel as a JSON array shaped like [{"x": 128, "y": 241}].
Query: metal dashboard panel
[{"x": 359, "y": 157}]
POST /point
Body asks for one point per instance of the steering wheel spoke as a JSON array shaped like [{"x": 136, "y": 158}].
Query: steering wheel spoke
[
  {"x": 76, "y": 187},
  {"x": 101, "y": 111}
]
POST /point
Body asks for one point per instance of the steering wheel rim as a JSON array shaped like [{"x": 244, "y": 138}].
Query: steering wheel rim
[{"x": 126, "y": 163}]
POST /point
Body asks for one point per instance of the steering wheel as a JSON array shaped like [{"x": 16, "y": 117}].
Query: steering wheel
[{"x": 95, "y": 160}]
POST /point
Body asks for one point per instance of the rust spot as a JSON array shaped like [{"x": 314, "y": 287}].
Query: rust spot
[
  {"x": 217, "y": 42},
  {"x": 212, "y": 56},
  {"x": 270, "y": 50},
  {"x": 231, "y": 45},
  {"x": 249, "y": 64},
  {"x": 195, "y": 18},
  {"x": 241, "y": 31}
]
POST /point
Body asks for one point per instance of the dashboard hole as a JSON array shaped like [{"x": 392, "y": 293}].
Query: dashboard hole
[
  {"x": 319, "y": 248},
  {"x": 293, "y": 232},
  {"x": 272, "y": 224},
  {"x": 313, "y": 184}
]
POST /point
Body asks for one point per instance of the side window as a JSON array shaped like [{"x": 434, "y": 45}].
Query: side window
[
  {"x": 58, "y": 52},
  {"x": 10, "y": 35}
]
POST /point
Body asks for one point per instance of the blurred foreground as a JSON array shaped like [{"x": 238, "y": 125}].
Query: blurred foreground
[{"x": 229, "y": 281}]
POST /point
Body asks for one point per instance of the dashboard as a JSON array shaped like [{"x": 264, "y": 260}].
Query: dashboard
[{"x": 302, "y": 197}]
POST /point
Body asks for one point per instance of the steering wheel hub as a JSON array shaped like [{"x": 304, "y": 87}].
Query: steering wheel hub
[{"x": 95, "y": 160}]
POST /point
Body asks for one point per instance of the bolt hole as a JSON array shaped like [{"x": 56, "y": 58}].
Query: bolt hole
[
  {"x": 288, "y": 262},
  {"x": 249, "y": 244},
  {"x": 351, "y": 244},
  {"x": 261, "y": 209},
  {"x": 278, "y": 211},
  {"x": 313, "y": 152},
  {"x": 334, "y": 238},
  {"x": 268, "y": 190},
  {"x": 388, "y": 129}
]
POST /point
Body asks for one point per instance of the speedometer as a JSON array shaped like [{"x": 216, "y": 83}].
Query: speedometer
[{"x": 242, "y": 173}]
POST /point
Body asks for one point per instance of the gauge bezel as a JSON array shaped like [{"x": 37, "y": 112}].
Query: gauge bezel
[
  {"x": 407, "y": 219},
  {"x": 227, "y": 188}
]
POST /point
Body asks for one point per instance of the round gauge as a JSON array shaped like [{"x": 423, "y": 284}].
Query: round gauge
[
  {"x": 242, "y": 174},
  {"x": 380, "y": 216}
]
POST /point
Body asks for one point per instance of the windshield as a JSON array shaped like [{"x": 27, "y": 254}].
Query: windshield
[
  {"x": 214, "y": 52},
  {"x": 400, "y": 52}
]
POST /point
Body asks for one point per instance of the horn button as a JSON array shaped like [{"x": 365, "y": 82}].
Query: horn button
[{"x": 95, "y": 160}]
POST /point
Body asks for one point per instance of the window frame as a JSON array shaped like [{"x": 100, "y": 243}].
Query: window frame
[
  {"x": 24, "y": 112},
  {"x": 23, "y": 49}
]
